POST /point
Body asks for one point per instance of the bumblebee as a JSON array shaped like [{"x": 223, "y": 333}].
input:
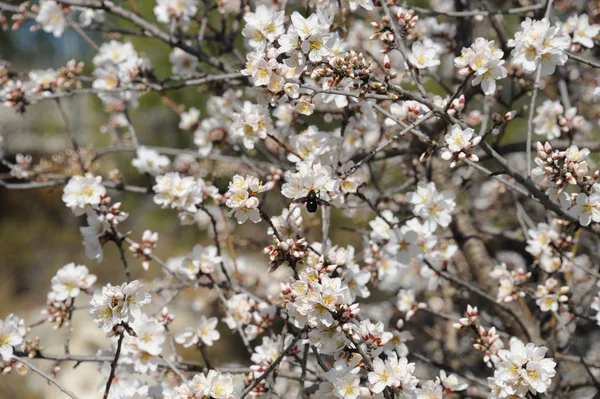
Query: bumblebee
[{"x": 312, "y": 201}]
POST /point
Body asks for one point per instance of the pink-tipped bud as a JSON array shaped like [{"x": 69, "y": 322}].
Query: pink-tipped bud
[{"x": 509, "y": 116}]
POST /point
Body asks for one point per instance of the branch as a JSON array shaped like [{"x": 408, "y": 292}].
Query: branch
[
  {"x": 46, "y": 376},
  {"x": 272, "y": 367},
  {"x": 583, "y": 60},
  {"x": 113, "y": 365},
  {"x": 149, "y": 29}
]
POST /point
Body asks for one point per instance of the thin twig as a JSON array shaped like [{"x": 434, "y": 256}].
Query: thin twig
[
  {"x": 271, "y": 367},
  {"x": 46, "y": 376},
  {"x": 113, "y": 365}
]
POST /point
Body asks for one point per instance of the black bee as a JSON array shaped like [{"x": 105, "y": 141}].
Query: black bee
[{"x": 312, "y": 200}]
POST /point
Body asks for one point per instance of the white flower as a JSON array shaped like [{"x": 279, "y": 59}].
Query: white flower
[
  {"x": 206, "y": 333},
  {"x": 143, "y": 350},
  {"x": 546, "y": 119},
  {"x": 210, "y": 129},
  {"x": 88, "y": 15},
  {"x": 309, "y": 177},
  {"x": 150, "y": 161},
  {"x": 263, "y": 26},
  {"x": 83, "y": 192},
  {"x": 307, "y": 36},
  {"x": 366, "y": 4},
  {"x": 92, "y": 235},
  {"x": 458, "y": 138},
  {"x": 485, "y": 61},
  {"x": 241, "y": 198},
  {"x": 189, "y": 118},
  {"x": 212, "y": 385},
  {"x": 348, "y": 387},
  {"x": 52, "y": 18},
  {"x": 251, "y": 124},
  {"x": 382, "y": 376},
  {"x": 539, "y": 45},
  {"x": 200, "y": 260},
  {"x": 239, "y": 307},
  {"x": 182, "y": 193},
  {"x": 184, "y": 64},
  {"x": 180, "y": 10},
  {"x": 430, "y": 390},
  {"x": 451, "y": 382},
  {"x": 523, "y": 369},
  {"x": 393, "y": 372},
  {"x": 434, "y": 207},
  {"x": 221, "y": 386},
  {"x": 114, "y": 53},
  {"x": 44, "y": 79},
  {"x": 118, "y": 304},
  {"x": 116, "y": 64},
  {"x": 583, "y": 33},
  {"x": 587, "y": 208},
  {"x": 406, "y": 300},
  {"x": 12, "y": 333},
  {"x": 423, "y": 57},
  {"x": 70, "y": 280},
  {"x": 406, "y": 111},
  {"x": 382, "y": 228}
]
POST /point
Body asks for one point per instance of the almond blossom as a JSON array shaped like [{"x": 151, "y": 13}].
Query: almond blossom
[{"x": 539, "y": 44}]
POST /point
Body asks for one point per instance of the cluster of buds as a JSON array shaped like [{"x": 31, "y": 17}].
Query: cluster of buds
[
  {"x": 144, "y": 249},
  {"x": 551, "y": 295},
  {"x": 570, "y": 121},
  {"x": 13, "y": 96},
  {"x": 352, "y": 65},
  {"x": 487, "y": 341},
  {"x": 459, "y": 141},
  {"x": 69, "y": 76},
  {"x": 471, "y": 318},
  {"x": 58, "y": 313},
  {"x": 348, "y": 313},
  {"x": 68, "y": 162},
  {"x": 111, "y": 213},
  {"x": 498, "y": 120},
  {"x": 18, "y": 18},
  {"x": 456, "y": 106},
  {"x": 288, "y": 252},
  {"x": 511, "y": 282},
  {"x": 407, "y": 20},
  {"x": 22, "y": 167},
  {"x": 6, "y": 72},
  {"x": 555, "y": 168},
  {"x": 351, "y": 70},
  {"x": 13, "y": 365}
]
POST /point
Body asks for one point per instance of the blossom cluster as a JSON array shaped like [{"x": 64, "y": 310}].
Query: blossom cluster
[
  {"x": 539, "y": 44},
  {"x": 242, "y": 198},
  {"x": 184, "y": 193},
  {"x": 351, "y": 108},
  {"x": 483, "y": 60},
  {"x": 520, "y": 370},
  {"x": 118, "y": 306}
]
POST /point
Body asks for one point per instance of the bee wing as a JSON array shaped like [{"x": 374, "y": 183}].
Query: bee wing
[
  {"x": 322, "y": 202},
  {"x": 300, "y": 200}
]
